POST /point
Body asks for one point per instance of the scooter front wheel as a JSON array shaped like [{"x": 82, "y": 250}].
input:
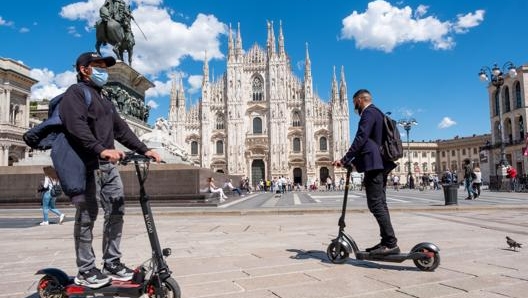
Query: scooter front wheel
[
  {"x": 170, "y": 289},
  {"x": 337, "y": 256},
  {"x": 427, "y": 264},
  {"x": 50, "y": 287}
]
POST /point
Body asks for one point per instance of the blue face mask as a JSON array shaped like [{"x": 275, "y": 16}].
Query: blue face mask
[{"x": 99, "y": 76}]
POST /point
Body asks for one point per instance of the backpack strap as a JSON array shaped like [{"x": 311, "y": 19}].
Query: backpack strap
[{"x": 87, "y": 95}]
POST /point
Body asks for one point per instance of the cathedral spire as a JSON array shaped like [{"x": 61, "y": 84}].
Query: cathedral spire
[
  {"x": 238, "y": 48},
  {"x": 282, "y": 53},
  {"x": 270, "y": 43},
  {"x": 334, "y": 87},
  {"x": 181, "y": 94},
  {"x": 173, "y": 96},
  {"x": 307, "y": 76},
  {"x": 307, "y": 64},
  {"x": 343, "y": 88},
  {"x": 205, "y": 80},
  {"x": 230, "y": 50}
]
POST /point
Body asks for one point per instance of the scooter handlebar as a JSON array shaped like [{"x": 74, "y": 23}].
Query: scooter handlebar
[{"x": 132, "y": 156}]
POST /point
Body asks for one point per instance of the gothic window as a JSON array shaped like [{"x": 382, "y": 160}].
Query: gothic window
[
  {"x": 257, "y": 88},
  {"x": 257, "y": 125},
  {"x": 323, "y": 144},
  {"x": 521, "y": 128},
  {"x": 398, "y": 169},
  {"x": 507, "y": 106},
  {"x": 453, "y": 153},
  {"x": 464, "y": 151},
  {"x": 497, "y": 103},
  {"x": 424, "y": 154},
  {"x": 296, "y": 145},
  {"x": 443, "y": 154},
  {"x": 219, "y": 147},
  {"x": 518, "y": 99},
  {"x": 433, "y": 167},
  {"x": 194, "y": 148},
  {"x": 424, "y": 167},
  {"x": 296, "y": 119},
  {"x": 433, "y": 154},
  {"x": 220, "y": 121}
]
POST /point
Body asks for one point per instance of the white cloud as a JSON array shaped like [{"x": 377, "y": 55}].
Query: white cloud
[
  {"x": 50, "y": 85},
  {"x": 167, "y": 42},
  {"x": 195, "y": 81},
  {"x": 384, "y": 27},
  {"x": 152, "y": 104},
  {"x": 469, "y": 20},
  {"x": 446, "y": 122},
  {"x": 6, "y": 23}
]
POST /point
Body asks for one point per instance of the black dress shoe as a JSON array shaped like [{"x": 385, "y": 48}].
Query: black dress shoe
[
  {"x": 383, "y": 251},
  {"x": 373, "y": 248}
]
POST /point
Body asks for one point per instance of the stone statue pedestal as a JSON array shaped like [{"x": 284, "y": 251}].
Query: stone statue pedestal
[{"x": 124, "y": 78}]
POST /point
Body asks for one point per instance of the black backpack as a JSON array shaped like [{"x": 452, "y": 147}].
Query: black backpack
[
  {"x": 391, "y": 144},
  {"x": 56, "y": 190},
  {"x": 43, "y": 135}
]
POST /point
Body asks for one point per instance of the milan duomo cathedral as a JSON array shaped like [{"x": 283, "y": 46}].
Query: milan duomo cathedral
[{"x": 261, "y": 121}]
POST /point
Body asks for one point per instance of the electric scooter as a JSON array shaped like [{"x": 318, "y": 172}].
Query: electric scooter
[
  {"x": 151, "y": 279},
  {"x": 425, "y": 255}
]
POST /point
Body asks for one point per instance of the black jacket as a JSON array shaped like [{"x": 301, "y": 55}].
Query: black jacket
[
  {"x": 92, "y": 129},
  {"x": 364, "y": 153}
]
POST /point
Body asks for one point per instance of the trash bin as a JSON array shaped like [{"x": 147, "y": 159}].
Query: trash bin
[{"x": 450, "y": 193}]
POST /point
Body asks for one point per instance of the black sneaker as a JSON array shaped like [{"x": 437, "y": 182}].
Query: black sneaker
[
  {"x": 118, "y": 271},
  {"x": 373, "y": 248},
  {"x": 92, "y": 278},
  {"x": 384, "y": 251}
]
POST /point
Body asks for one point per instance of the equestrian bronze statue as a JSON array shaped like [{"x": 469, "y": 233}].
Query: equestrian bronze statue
[{"x": 114, "y": 29}]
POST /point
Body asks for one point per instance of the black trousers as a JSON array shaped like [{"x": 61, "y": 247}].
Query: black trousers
[{"x": 375, "y": 182}]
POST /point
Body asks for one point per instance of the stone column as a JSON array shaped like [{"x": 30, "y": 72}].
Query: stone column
[
  {"x": 4, "y": 154},
  {"x": 25, "y": 122}
]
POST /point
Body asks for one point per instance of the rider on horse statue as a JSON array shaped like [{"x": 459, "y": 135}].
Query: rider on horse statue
[{"x": 114, "y": 27}]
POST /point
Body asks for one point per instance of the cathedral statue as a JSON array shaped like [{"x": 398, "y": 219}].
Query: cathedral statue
[{"x": 161, "y": 139}]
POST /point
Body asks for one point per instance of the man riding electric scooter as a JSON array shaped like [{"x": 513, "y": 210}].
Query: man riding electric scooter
[{"x": 365, "y": 155}]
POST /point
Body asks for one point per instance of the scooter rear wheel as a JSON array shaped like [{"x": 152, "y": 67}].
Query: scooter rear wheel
[
  {"x": 49, "y": 287},
  {"x": 428, "y": 264},
  {"x": 336, "y": 256}
]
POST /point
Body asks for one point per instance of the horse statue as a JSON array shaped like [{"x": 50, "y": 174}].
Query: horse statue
[{"x": 111, "y": 32}]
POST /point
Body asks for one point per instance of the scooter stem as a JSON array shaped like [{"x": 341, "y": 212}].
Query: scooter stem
[{"x": 341, "y": 222}]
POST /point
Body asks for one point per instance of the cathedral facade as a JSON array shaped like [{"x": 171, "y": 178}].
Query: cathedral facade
[{"x": 261, "y": 121}]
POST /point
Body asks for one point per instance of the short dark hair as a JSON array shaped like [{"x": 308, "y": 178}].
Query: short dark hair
[{"x": 360, "y": 91}]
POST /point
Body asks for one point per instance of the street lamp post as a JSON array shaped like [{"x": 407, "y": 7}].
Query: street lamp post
[
  {"x": 497, "y": 75},
  {"x": 407, "y": 124}
]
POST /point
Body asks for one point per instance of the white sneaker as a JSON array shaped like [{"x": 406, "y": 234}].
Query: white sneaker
[
  {"x": 222, "y": 200},
  {"x": 61, "y": 218},
  {"x": 44, "y": 223}
]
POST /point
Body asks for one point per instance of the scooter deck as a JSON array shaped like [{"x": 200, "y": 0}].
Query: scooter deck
[
  {"x": 116, "y": 287},
  {"x": 396, "y": 258}
]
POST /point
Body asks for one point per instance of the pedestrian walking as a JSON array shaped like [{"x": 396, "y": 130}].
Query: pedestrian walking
[{"x": 49, "y": 196}]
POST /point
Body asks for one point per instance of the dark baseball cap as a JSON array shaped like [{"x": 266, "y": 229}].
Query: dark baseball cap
[{"x": 89, "y": 57}]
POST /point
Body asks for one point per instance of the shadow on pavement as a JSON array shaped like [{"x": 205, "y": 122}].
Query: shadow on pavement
[
  {"x": 321, "y": 255},
  {"x": 18, "y": 223}
]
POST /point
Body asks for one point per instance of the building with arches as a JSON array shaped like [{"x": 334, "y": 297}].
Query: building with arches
[
  {"x": 510, "y": 104},
  {"x": 259, "y": 120},
  {"x": 15, "y": 91}
]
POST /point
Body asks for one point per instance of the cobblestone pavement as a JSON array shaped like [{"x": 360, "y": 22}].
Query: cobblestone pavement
[{"x": 283, "y": 253}]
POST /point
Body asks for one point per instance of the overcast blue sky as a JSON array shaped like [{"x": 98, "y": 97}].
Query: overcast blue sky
[{"x": 420, "y": 59}]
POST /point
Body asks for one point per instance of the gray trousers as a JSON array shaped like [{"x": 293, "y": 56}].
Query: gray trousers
[{"x": 103, "y": 186}]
